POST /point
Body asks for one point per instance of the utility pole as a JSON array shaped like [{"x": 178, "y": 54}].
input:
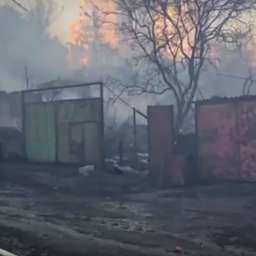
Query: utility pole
[
  {"x": 135, "y": 138},
  {"x": 26, "y": 78}
]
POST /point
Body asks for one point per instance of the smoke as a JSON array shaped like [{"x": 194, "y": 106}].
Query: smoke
[
  {"x": 26, "y": 42},
  {"x": 228, "y": 78}
]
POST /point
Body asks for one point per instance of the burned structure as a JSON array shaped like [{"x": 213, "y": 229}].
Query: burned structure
[
  {"x": 39, "y": 128},
  {"x": 223, "y": 148},
  {"x": 53, "y": 130},
  {"x": 64, "y": 131}
]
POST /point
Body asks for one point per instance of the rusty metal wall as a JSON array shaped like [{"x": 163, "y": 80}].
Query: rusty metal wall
[
  {"x": 160, "y": 125},
  {"x": 227, "y": 140}
]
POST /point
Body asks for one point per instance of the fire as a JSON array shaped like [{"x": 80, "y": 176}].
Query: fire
[
  {"x": 108, "y": 20},
  {"x": 182, "y": 37},
  {"x": 96, "y": 25},
  {"x": 78, "y": 34},
  {"x": 98, "y": 22},
  {"x": 180, "y": 28}
]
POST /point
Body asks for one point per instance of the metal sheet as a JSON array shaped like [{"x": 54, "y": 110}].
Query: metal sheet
[
  {"x": 247, "y": 139},
  {"x": 76, "y": 142},
  {"x": 177, "y": 170},
  {"x": 79, "y": 111},
  {"x": 63, "y": 143},
  {"x": 66, "y": 131},
  {"x": 79, "y": 131},
  {"x": 160, "y": 122},
  {"x": 217, "y": 141},
  {"x": 40, "y": 132},
  {"x": 91, "y": 143}
]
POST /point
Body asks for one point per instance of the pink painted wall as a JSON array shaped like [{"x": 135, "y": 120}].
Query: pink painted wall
[
  {"x": 247, "y": 131},
  {"x": 218, "y": 147},
  {"x": 227, "y": 140}
]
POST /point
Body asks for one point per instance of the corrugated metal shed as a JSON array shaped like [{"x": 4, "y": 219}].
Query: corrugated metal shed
[{"x": 226, "y": 133}]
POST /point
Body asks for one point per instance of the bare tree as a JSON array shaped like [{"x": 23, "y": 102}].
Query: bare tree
[
  {"x": 249, "y": 82},
  {"x": 176, "y": 38}
]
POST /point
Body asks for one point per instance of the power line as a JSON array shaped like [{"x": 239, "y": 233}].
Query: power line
[
  {"x": 236, "y": 77},
  {"x": 20, "y": 5},
  {"x": 125, "y": 102}
]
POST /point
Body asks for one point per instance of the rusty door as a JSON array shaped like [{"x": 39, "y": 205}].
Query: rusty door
[{"x": 160, "y": 123}]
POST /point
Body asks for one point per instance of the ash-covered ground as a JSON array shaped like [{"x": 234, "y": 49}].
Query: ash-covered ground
[{"x": 49, "y": 212}]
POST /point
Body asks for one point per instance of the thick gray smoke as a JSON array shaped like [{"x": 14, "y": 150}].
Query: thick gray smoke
[
  {"x": 227, "y": 79},
  {"x": 25, "y": 42}
]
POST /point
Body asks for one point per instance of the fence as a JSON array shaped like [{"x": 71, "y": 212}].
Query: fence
[
  {"x": 226, "y": 133},
  {"x": 64, "y": 131}
]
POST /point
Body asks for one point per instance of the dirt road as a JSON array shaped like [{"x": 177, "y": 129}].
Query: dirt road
[{"x": 54, "y": 220}]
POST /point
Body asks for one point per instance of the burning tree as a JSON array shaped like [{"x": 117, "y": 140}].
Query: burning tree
[{"x": 175, "y": 40}]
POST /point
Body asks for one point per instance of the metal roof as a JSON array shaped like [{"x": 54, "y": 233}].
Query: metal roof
[{"x": 222, "y": 100}]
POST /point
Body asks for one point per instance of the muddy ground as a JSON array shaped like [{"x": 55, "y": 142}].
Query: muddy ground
[{"x": 54, "y": 211}]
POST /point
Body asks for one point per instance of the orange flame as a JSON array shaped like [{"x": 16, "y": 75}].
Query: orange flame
[
  {"x": 98, "y": 21},
  {"x": 182, "y": 37},
  {"x": 96, "y": 24}
]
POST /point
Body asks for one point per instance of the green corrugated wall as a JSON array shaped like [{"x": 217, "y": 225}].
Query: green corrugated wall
[
  {"x": 79, "y": 142},
  {"x": 65, "y": 131},
  {"x": 40, "y": 132}
]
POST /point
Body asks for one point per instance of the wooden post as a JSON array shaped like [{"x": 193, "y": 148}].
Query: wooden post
[
  {"x": 135, "y": 139},
  {"x": 26, "y": 77}
]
